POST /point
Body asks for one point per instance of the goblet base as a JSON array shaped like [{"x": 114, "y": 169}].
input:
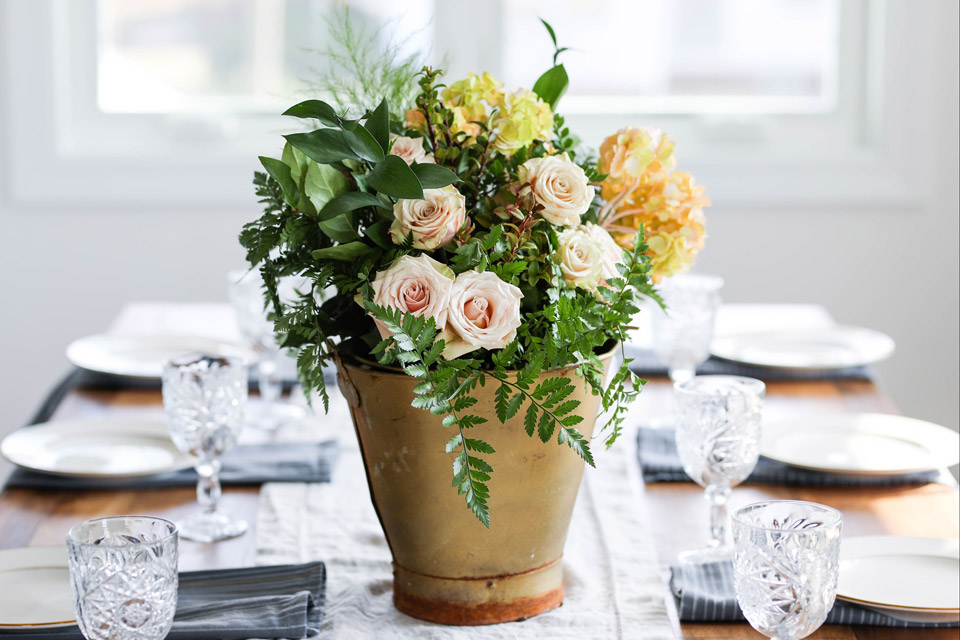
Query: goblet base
[
  {"x": 211, "y": 527},
  {"x": 706, "y": 555}
]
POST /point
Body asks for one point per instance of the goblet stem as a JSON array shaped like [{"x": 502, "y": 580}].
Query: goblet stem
[
  {"x": 208, "y": 485},
  {"x": 270, "y": 385},
  {"x": 717, "y": 495}
]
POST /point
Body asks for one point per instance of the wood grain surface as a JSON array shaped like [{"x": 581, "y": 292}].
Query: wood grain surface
[{"x": 677, "y": 512}]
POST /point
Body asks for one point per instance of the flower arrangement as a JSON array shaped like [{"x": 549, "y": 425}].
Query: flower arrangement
[{"x": 466, "y": 242}]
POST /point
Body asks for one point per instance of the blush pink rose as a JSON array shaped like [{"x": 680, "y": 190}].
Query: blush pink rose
[
  {"x": 419, "y": 285},
  {"x": 410, "y": 150},
  {"x": 433, "y": 221},
  {"x": 484, "y": 312}
]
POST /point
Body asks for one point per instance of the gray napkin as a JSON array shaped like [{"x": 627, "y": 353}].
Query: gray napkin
[
  {"x": 281, "y": 601},
  {"x": 659, "y": 462},
  {"x": 645, "y": 363},
  {"x": 243, "y": 465},
  {"x": 705, "y": 593}
]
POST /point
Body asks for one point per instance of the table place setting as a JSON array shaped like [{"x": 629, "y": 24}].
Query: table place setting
[{"x": 473, "y": 298}]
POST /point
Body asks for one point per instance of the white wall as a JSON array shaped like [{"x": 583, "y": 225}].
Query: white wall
[{"x": 66, "y": 273}]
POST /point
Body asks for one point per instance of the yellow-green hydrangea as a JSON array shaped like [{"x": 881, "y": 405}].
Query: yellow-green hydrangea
[
  {"x": 469, "y": 95},
  {"x": 523, "y": 118}
]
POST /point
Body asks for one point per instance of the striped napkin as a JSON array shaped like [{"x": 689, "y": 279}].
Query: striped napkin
[
  {"x": 279, "y": 601},
  {"x": 645, "y": 363},
  {"x": 705, "y": 593},
  {"x": 659, "y": 462}
]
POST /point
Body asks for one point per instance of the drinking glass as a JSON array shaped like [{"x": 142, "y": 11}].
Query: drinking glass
[
  {"x": 245, "y": 290},
  {"x": 123, "y": 575},
  {"x": 718, "y": 438},
  {"x": 683, "y": 332},
  {"x": 786, "y": 562},
  {"x": 205, "y": 398}
]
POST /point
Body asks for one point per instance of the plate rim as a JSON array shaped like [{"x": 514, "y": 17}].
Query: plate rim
[
  {"x": 75, "y": 351},
  {"x": 40, "y": 550},
  {"x": 847, "y": 421},
  {"x": 845, "y": 543},
  {"x": 840, "y": 328},
  {"x": 115, "y": 424}
]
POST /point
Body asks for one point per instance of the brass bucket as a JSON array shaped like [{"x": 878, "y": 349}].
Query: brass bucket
[{"x": 448, "y": 568}]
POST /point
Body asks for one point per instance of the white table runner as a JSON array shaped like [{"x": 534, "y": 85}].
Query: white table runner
[{"x": 613, "y": 588}]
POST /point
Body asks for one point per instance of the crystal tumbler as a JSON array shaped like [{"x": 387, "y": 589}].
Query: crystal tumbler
[
  {"x": 123, "y": 574},
  {"x": 683, "y": 332},
  {"x": 717, "y": 422},
  {"x": 205, "y": 399},
  {"x": 786, "y": 563}
]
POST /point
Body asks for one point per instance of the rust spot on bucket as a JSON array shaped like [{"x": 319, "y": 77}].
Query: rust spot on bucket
[{"x": 457, "y": 613}]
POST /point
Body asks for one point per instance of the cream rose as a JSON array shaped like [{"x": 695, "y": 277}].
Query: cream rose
[
  {"x": 612, "y": 252},
  {"x": 560, "y": 186},
  {"x": 484, "y": 312},
  {"x": 581, "y": 258},
  {"x": 433, "y": 221},
  {"x": 410, "y": 150},
  {"x": 420, "y": 286}
]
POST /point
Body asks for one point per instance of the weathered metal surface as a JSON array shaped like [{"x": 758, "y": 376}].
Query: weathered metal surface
[{"x": 449, "y": 568}]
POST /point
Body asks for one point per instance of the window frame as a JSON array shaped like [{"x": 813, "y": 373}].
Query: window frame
[{"x": 62, "y": 151}]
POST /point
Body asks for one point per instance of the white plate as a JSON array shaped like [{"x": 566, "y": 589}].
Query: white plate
[
  {"x": 103, "y": 448},
  {"x": 826, "y": 348},
  {"x": 35, "y": 583},
  {"x": 913, "y": 579},
  {"x": 861, "y": 443},
  {"x": 144, "y": 356}
]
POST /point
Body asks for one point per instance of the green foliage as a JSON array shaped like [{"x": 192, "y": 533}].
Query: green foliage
[
  {"x": 328, "y": 205},
  {"x": 363, "y": 69}
]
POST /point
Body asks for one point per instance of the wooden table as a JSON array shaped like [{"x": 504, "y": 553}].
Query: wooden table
[{"x": 676, "y": 511}]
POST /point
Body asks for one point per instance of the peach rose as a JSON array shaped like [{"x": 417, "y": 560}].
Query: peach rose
[
  {"x": 433, "y": 221},
  {"x": 410, "y": 150},
  {"x": 581, "y": 258},
  {"x": 484, "y": 313},
  {"x": 420, "y": 286},
  {"x": 560, "y": 186}
]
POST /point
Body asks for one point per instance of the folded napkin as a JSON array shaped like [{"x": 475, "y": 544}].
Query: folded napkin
[
  {"x": 243, "y": 465},
  {"x": 705, "y": 593},
  {"x": 280, "y": 601},
  {"x": 645, "y": 363},
  {"x": 659, "y": 462}
]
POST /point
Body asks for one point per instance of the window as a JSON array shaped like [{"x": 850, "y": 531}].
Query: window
[{"x": 159, "y": 103}]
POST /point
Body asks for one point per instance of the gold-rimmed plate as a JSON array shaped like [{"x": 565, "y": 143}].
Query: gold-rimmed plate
[
  {"x": 35, "y": 583},
  {"x": 908, "y": 578}
]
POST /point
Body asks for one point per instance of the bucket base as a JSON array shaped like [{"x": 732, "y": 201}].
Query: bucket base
[{"x": 477, "y": 601}]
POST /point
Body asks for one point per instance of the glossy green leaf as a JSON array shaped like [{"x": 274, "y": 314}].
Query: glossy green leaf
[
  {"x": 350, "y": 201},
  {"x": 362, "y": 142},
  {"x": 552, "y": 85},
  {"x": 316, "y": 109},
  {"x": 323, "y": 145},
  {"x": 433, "y": 176},
  {"x": 378, "y": 124},
  {"x": 323, "y": 183},
  {"x": 280, "y": 171},
  {"x": 343, "y": 252},
  {"x": 379, "y": 232},
  {"x": 342, "y": 228},
  {"x": 395, "y": 178}
]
